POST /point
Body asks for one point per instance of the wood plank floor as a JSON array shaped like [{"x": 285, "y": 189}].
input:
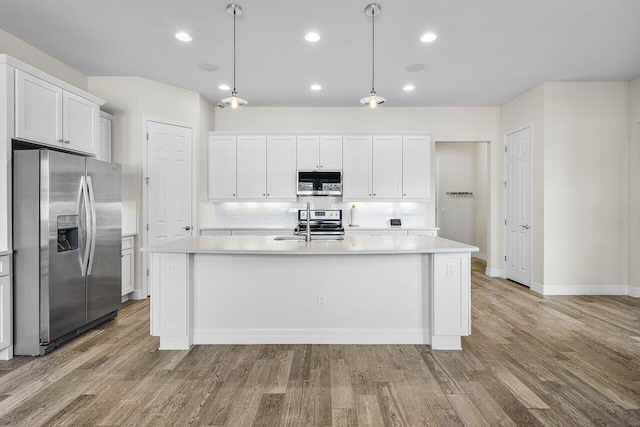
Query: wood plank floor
[{"x": 558, "y": 361}]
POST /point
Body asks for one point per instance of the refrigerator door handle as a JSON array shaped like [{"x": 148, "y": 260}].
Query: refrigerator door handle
[
  {"x": 92, "y": 203},
  {"x": 85, "y": 200}
]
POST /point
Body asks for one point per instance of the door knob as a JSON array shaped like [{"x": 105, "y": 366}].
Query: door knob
[
  {"x": 526, "y": 227},
  {"x": 187, "y": 228}
]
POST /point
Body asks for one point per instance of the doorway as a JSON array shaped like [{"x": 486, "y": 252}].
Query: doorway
[
  {"x": 168, "y": 185},
  {"x": 462, "y": 193}
]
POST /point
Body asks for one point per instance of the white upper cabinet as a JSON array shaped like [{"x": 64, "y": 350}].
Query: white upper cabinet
[
  {"x": 356, "y": 172},
  {"x": 251, "y": 169},
  {"x": 319, "y": 152},
  {"x": 104, "y": 148},
  {"x": 38, "y": 110},
  {"x": 387, "y": 167},
  {"x": 308, "y": 152},
  {"x": 416, "y": 167},
  {"x": 281, "y": 167},
  {"x": 222, "y": 167},
  {"x": 331, "y": 152},
  {"x": 47, "y": 114},
  {"x": 80, "y": 123}
]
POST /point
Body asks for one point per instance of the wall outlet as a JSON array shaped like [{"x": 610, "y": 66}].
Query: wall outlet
[
  {"x": 322, "y": 302},
  {"x": 451, "y": 269}
]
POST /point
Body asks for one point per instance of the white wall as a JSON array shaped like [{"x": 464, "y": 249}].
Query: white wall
[
  {"x": 462, "y": 167},
  {"x": 528, "y": 110},
  {"x": 585, "y": 198},
  {"x": 11, "y": 45},
  {"x": 130, "y": 100},
  {"x": 444, "y": 123},
  {"x": 634, "y": 187}
]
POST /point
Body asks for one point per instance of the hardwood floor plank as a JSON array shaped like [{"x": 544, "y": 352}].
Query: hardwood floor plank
[
  {"x": 368, "y": 411},
  {"x": 269, "y": 411},
  {"x": 341, "y": 389},
  {"x": 467, "y": 411},
  {"x": 316, "y": 399}
]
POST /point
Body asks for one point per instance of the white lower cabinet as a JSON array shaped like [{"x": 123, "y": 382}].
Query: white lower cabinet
[
  {"x": 5, "y": 307},
  {"x": 128, "y": 265}
]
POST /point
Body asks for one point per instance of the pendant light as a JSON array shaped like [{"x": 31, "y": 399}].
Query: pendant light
[
  {"x": 234, "y": 101},
  {"x": 373, "y": 100}
]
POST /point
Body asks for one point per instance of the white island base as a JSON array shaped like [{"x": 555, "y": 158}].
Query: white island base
[{"x": 363, "y": 290}]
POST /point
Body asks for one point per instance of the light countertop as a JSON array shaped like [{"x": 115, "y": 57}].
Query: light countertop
[
  {"x": 252, "y": 245},
  {"x": 291, "y": 227}
]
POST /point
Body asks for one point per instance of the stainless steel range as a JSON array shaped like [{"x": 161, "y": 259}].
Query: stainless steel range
[{"x": 323, "y": 224}]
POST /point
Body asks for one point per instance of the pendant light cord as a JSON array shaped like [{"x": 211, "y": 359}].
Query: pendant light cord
[
  {"x": 234, "y": 49},
  {"x": 373, "y": 48}
]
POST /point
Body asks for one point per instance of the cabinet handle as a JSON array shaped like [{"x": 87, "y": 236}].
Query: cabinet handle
[{"x": 66, "y": 142}]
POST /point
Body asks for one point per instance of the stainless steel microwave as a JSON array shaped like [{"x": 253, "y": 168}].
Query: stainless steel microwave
[{"x": 319, "y": 183}]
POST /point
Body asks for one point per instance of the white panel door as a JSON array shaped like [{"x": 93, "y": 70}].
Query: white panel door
[
  {"x": 518, "y": 201},
  {"x": 356, "y": 174},
  {"x": 331, "y": 152},
  {"x": 416, "y": 167},
  {"x": 222, "y": 167},
  {"x": 308, "y": 152},
  {"x": 38, "y": 110},
  {"x": 80, "y": 123},
  {"x": 281, "y": 167},
  {"x": 387, "y": 167},
  {"x": 169, "y": 192},
  {"x": 251, "y": 167}
]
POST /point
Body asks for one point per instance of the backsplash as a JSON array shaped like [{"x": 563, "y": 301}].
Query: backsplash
[{"x": 285, "y": 214}]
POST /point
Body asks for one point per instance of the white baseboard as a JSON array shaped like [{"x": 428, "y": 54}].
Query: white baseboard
[
  {"x": 137, "y": 294},
  {"x": 536, "y": 287},
  {"x": 479, "y": 255},
  {"x": 311, "y": 336},
  {"x": 493, "y": 272},
  {"x": 549, "y": 290},
  {"x": 633, "y": 291}
]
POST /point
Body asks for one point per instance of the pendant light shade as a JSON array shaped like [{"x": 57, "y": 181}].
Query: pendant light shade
[
  {"x": 373, "y": 100},
  {"x": 234, "y": 101}
]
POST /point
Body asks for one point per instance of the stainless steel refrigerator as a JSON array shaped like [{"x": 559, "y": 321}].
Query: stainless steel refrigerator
[{"x": 67, "y": 247}]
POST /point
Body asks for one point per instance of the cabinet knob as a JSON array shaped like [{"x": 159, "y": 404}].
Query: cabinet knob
[
  {"x": 61, "y": 140},
  {"x": 66, "y": 142},
  {"x": 404, "y": 194},
  {"x": 263, "y": 194},
  {"x": 234, "y": 194},
  {"x": 320, "y": 166},
  {"x": 374, "y": 194},
  {"x": 268, "y": 195},
  {"x": 369, "y": 194}
]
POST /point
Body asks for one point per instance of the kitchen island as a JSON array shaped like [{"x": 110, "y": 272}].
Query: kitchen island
[{"x": 360, "y": 290}]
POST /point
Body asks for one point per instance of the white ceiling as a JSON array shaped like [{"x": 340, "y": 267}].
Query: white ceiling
[{"x": 487, "y": 51}]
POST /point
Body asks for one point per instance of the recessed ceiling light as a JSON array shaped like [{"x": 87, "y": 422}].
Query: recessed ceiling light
[
  {"x": 408, "y": 88},
  {"x": 312, "y": 37},
  {"x": 428, "y": 37},
  {"x": 316, "y": 87},
  {"x": 184, "y": 37},
  {"x": 224, "y": 87}
]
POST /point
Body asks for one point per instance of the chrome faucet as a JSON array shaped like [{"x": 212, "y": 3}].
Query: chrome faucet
[{"x": 307, "y": 237}]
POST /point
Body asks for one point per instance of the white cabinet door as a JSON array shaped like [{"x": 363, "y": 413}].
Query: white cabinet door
[
  {"x": 387, "y": 167},
  {"x": 416, "y": 167},
  {"x": 38, "y": 110},
  {"x": 127, "y": 271},
  {"x": 281, "y": 167},
  {"x": 5, "y": 302},
  {"x": 222, "y": 167},
  {"x": 331, "y": 152},
  {"x": 80, "y": 123},
  {"x": 356, "y": 174},
  {"x": 104, "y": 150},
  {"x": 308, "y": 151},
  {"x": 251, "y": 167}
]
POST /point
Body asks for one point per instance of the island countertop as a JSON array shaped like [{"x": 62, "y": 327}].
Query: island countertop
[{"x": 355, "y": 245}]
